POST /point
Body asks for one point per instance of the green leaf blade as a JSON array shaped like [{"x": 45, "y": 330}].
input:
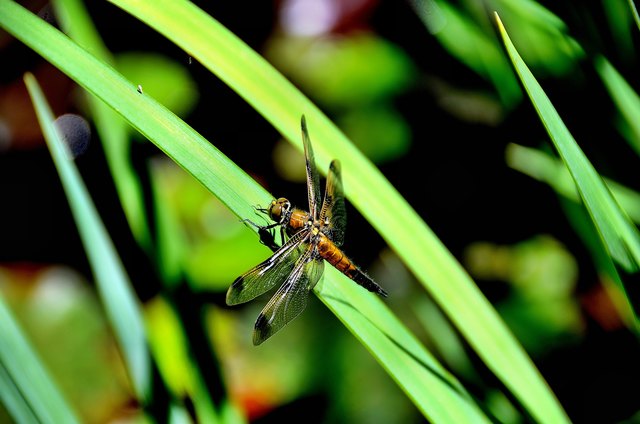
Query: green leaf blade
[
  {"x": 26, "y": 387},
  {"x": 113, "y": 285},
  {"x": 623, "y": 95},
  {"x": 618, "y": 235},
  {"x": 435, "y": 392}
]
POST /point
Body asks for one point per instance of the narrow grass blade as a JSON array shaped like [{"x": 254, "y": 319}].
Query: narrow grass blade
[
  {"x": 169, "y": 342},
  {"x": 111, "y": 128},
  {"x": 623, "y": 95},
  {"x": 543, "y": 167},
  {"x": 611, "y": 281},
  {"x": 115, "y": 289},
  {"x": 618, "y": 234},
  {"x": 634, "y": 11},
  {"x": 115, "y": 137},
  {"x": 26, "y": 388},
  {"x": 17, "y": 406},
  {"x": 282, "y": 104}
]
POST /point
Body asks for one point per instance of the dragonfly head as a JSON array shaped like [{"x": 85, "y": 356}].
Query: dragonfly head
[{"x": 278, "y": 210}]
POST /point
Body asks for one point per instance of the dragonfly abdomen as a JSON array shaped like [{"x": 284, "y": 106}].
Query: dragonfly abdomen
[
  {"x": 332, "y": 254},
  {"x": 365, "y": 281}
]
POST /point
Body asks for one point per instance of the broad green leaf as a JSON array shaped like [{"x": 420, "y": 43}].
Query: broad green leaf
[
  {"x": 211, "y": 44},
  {"x": 618, "y": 234},
  {"x": 26, "y": 388},
  {"x": 162, "y": 78},
  {"x": 115, "y": 289}
]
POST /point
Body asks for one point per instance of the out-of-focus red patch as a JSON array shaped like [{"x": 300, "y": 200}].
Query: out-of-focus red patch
[
  {"x": 599, "y": 305},
  {"x": 255, "y": 404}
]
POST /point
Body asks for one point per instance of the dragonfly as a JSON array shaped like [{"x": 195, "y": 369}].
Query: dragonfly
[{"x": 308, "y": 239}]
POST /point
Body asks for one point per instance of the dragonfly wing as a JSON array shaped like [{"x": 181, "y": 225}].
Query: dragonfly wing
[
  {"x": 269, "y": 273},
  {"x": 291, "y": 299},
  {"x": 314, "y": 270},
  {"x": 313, "y": 179},
  {"x": 333, "y": 207}
]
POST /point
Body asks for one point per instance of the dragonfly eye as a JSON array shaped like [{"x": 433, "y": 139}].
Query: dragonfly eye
[{"x": 278, "y": 209}]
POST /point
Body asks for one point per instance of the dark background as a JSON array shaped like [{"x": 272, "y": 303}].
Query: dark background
[{"x": 454, "y": 174}]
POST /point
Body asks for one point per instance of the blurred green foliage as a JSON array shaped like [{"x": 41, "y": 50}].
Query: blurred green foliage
[
  {"x": 356, "y": 77},
  {"x": 542, "y": 275},
  {"x": 68, "y": 330}
]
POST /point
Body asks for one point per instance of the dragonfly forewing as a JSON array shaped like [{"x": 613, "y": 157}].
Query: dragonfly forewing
[
  {"x": 313, "y": 178},
  {"x": 333, "y": 207},
  {"x": 269, "y": 273},
  {"x": 291, "y": 299}
]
